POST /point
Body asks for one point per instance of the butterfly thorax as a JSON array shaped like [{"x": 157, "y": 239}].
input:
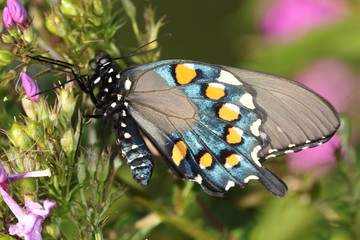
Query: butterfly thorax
[{"x": 108, "y": 87}]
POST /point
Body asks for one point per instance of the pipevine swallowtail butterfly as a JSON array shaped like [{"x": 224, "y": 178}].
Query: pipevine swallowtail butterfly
[{"x": 212, "y": 124}]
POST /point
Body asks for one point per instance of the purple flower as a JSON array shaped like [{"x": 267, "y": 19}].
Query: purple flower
[
  {"x": 30, "y": 87},
  {"x": 335, "y": 82},
  {"x": 18, "y": 12},
  {"x": 7, "y": 19},
  {"x": 3, "y": 178},
  {"x": 287, "y": 20},
  {"x": 29, "y": 221}
]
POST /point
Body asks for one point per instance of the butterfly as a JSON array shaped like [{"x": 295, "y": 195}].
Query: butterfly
[{"x": 213, "y": 124}]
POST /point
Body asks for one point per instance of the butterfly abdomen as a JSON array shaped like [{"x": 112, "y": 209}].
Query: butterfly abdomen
[{"x": 133, "y": 147}]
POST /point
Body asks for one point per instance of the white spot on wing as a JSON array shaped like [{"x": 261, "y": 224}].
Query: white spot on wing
[
  {"x": 270, "y": 156},
  {"x": 118, "y": 76},
  {"x": 123, "y": 125},
  {"x": 247, "y": 101},
  {"x": 189, "y": 65},
  {"x": 229, "y": 185},
  {"x": 110, "y": 80},
  {"x": 110, "y": 70},
  {"x": 291, "y": 145},
  {"x": 289, "y": 151},
  {"x": 113, "y": 105},
  {"x": 97, "y": 80},
  {"x": 272, "y": 150},
  {"x": 229, "y": 78},
  {"x": 254, "y": 128},
  {"x": 127, "y": 135},
  {"x": 127, "y": 84},
  {"x": 232, "y": 107},
  {"x": 254, "y": 155},
  {"x": 217, "y": 85},
  {"x": 198, "y": 179},
  {"x": 251, "y": 177}
]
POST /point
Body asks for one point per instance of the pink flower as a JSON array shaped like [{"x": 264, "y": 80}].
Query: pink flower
[
  {"x": 7, "y": 19},
  {"x": 16, "y": 11},
  {"x": 3, "y": 178},
  {"x": 30, "y": 87},
  {"x": 29, "y": 221},
  {"x": 287, "y": 20},
  {"x": 335, "y": 82}
]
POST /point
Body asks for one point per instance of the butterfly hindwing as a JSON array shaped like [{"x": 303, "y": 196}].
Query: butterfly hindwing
[
  {"x": 208, "y": 127},
  {"x": 296, "y": 117}
]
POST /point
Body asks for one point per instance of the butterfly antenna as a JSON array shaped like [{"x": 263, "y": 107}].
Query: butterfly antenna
[
  {"x": 136, "y": 52},
  {"x": 58, "y": 86}
]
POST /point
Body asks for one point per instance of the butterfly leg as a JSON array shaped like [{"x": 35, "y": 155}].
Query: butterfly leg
[{"x": 133, "y": 148}]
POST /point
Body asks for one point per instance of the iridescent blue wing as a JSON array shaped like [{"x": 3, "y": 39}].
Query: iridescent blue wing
[{"x": 214, "y": 124}]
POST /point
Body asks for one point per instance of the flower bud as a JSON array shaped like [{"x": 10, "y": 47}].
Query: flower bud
[
  {"x": 18, "y": 137},
  {"x": 36, "y": 133},
  {"x": 81, "y": 170},
  {"x": 92, "y": 164},
  {"x": 30, "y": 87},
  {"x": 68, "y": 143},
  {"x": 67, "y": 102},
  {"x": 129, "y": 8},
  {"x": 6, "y": 38},
  {"x": 29, "y": 36},
  {"x": 7, "y": 19},
  {"x": 102, "y": 172},
  {"x": 29, "y": 109},
  {"x": 54, "y": 24},
  {"x": 98, "y": 7},
  {"x": 18, "y": 13},
  {"x": 68, "y": 8},
  {"x": 6, "y": 57}
]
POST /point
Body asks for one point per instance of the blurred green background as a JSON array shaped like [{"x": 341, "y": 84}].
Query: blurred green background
[{"x": 316, "y": 42}]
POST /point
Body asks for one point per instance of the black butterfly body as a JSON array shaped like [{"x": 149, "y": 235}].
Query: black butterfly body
[{"x": 212, "y": 124}]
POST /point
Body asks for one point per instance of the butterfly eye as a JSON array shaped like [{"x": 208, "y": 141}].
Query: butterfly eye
[
  {"x": 92, "y": 65},
  {"x": 104, "y": 60}
]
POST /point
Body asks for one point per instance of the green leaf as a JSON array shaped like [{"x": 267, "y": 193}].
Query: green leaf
[{"x": 69, "y": 229}]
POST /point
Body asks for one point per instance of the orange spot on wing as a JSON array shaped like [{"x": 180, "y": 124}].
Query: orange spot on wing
[
  {"x": 184, "y": 74},
  {"x": 215, "y": 92},
  {"x": 234, "y": 136},
  {"x": 179, "y": 152},
  {"x": 206, "y": 160},
  {"x": 229, "y": 112},
  {"x": 232, "y": 160}
]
